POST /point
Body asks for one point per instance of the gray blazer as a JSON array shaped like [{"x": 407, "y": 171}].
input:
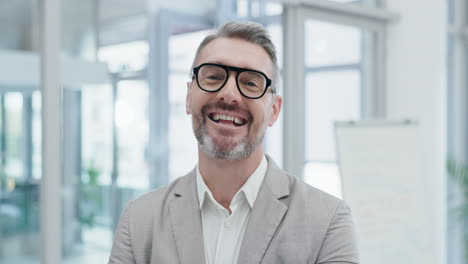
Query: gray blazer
[{"x": 291, "y": 222}]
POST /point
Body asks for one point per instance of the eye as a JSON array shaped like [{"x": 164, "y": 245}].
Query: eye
[
  {"x": 251, "y": 80},
  {"x": 250, "y": 83},
  {"x": 253, "y": 84},
  {"x": 214, "y": 77}
]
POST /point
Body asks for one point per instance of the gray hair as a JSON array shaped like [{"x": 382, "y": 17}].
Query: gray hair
[{"x": 251, "y": 32}]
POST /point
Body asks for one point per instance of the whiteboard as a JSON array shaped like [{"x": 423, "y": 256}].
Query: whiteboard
[{"x": 383, "y": 183}]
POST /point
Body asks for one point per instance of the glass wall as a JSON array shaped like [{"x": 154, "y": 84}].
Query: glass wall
[
  {"x": 457, "y": 147},
  {"x": 19, "y": 179},
  {"x": 334, "y": 55},
  {"x": 88, "y": 137},
  {"x": 20, "y": 142}
]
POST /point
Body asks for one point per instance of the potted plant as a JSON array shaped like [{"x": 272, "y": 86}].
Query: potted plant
[
  {"x": 459, "y": 174},
  {"x": 90, "y": 196}
]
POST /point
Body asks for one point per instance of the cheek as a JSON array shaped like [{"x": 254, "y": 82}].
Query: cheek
[
  {"x": 195, "y": 103},
  {"x": 261, "y": 116},
  {"x": 265, "y": 111}
]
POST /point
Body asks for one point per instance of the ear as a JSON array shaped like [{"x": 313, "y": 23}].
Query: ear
[
  {"x": 188, "y": 99},
  {"x": 276, "y": 109}
]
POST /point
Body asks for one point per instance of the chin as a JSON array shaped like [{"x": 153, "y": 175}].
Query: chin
[{"x": 227, "y": 150}]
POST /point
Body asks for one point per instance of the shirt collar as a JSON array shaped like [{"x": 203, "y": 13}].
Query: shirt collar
[{"x": 250, "y": 187}]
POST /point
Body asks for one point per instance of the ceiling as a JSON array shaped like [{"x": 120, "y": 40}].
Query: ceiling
[
  {"x": 21, "y": 11},
  {"x": 112, "y": 10},
  {"x": 19, "y": 19}
]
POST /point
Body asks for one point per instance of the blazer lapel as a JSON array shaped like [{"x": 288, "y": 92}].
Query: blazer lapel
[
  {"x": 267, "y": 214},
  {"x": 186, "y": 221}
]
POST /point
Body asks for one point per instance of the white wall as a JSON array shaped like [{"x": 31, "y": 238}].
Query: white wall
[{"x": 416, "y": 84}]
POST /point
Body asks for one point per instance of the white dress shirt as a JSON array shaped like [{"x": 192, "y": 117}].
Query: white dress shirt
[{"x": 223, "y": 232}]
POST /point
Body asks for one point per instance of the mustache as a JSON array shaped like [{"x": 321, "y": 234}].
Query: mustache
[{"x": 220, "y": 105}]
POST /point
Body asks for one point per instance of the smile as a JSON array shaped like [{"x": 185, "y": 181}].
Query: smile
[{"x": 227, "y": 119}]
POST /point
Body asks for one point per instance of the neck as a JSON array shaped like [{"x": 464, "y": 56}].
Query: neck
[{"x": 225, "y": 177}]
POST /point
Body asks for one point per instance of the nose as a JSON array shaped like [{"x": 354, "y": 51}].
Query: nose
[{"x": 229, "y": 93}]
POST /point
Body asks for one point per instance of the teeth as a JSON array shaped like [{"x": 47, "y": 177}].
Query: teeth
[{"x": 236, "y": 120}]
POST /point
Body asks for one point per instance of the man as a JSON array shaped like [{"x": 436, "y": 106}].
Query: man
[{"x": 236, "y": 206}]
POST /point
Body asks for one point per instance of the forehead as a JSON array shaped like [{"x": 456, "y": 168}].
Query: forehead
[{"x": 236, "y": 52}]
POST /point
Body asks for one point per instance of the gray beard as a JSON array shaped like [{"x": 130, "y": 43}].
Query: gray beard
[{"x": 240, "y": 151}]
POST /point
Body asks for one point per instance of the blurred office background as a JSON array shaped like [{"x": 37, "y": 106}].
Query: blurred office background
[{"x": 123, "y": 70}]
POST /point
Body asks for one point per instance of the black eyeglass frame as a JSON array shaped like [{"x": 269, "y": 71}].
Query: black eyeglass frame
[{"x": 236, "y": 69}]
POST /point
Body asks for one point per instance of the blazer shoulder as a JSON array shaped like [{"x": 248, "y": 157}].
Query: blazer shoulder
[
  {"x": 331, "y": 220},
  {"x": 311, "y": 196},
  {"x": 157, "y": 199},
  {"x": 284, "y": 184}
]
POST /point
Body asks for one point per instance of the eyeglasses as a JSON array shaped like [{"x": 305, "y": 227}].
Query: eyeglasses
[{"x": 212, "y": 77}]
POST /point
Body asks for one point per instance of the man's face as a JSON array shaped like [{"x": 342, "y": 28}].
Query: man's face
[{"x": 212, "y": 112}]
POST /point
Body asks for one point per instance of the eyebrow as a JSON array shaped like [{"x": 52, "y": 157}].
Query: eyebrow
[{"x": 222, "y": 63}]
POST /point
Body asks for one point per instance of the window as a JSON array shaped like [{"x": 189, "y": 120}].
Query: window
[
  {"x": 333, "y": 91},
  {"x": 274, "y": 134},
  {"x": 131, "y": 56},
  {"x": 14, "y": 166},
  {"x": 258, "y": 8},
  {"x": 36, "y": 135},
  {"x": 131, "y": 120},
  {"x": 340, "y": 55}
]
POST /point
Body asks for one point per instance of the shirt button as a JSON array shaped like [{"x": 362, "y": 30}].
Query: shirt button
[{"x": 227, "y": 224}]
